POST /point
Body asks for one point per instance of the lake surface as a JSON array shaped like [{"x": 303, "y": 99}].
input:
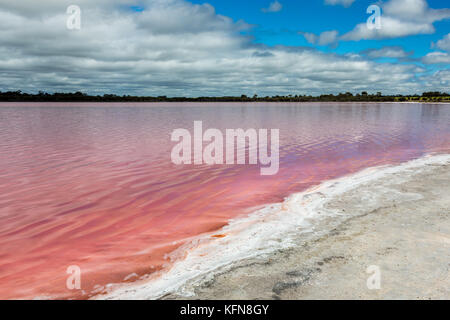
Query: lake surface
[{"x": 93, "y": 185}]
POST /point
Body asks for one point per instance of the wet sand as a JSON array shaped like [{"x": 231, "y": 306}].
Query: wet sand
[{"x": 400, "y": 223}]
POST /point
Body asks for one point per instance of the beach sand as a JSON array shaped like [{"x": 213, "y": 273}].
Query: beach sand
[{"x": 400, "y": 224}]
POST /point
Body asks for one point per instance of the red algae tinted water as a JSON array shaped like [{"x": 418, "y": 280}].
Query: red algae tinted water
[{"x": 94, "y": 185}]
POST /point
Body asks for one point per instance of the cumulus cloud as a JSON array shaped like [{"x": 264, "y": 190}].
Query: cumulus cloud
[
  {"x": 444, "y": 43},
  {"x": 170, "y": 47},
  {"x": 273, "y": 7},
  {"x": 387, "y": 52},
  {"x": 323, "y": 39},
  {"x": 439, "y": 80},
  {"x": 437, "y": 58},
  {"x": 400, "y": 18},
  {"x": 345, "y": 3}
]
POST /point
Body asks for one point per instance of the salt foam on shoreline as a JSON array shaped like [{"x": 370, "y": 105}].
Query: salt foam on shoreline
[{"x": 262, "y": 232}]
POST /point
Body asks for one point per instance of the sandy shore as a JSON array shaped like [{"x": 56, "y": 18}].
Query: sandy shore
[{"x": 400, "y": 224}]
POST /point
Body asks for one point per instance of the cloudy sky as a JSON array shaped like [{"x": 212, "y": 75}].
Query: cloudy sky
[{"x": 224, "y": 47}]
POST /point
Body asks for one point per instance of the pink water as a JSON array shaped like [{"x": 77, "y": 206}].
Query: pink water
[{"x": 94, "y": 185}]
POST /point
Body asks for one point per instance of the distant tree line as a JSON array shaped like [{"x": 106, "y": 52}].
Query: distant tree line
[{"x": 19, "y": 96}]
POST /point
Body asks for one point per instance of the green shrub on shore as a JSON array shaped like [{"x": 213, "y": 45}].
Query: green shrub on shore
[{"x": 19, "y": 96}]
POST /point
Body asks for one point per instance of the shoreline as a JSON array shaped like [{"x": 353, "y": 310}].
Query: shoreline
[
  {"x": 5, "y": 104},
  {"x": 220, "y": 268},
  {"x": 406, "y": 234}
]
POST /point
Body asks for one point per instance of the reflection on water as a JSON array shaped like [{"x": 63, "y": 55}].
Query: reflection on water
[{"x": 94, "y": 186}]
